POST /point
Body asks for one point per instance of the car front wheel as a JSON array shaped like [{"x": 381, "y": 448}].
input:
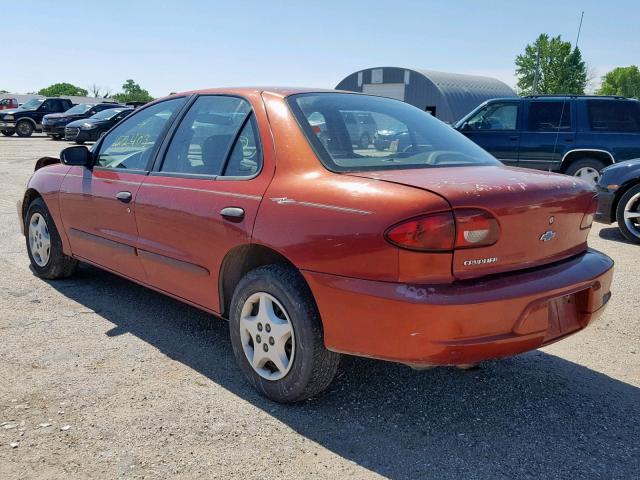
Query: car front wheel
[
  {"x": 628, "y": 214},
  {"x": 44, "y": 245},
  {"x": 276, "y": 335},
  {"x": 24, "y": 128}
]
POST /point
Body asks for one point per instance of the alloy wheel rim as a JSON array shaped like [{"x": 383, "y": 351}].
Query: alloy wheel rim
[
  {"x": 23, "y": 128},
  {"x": 267, "y": 336},
  {"x": 631, "y": 215},
  {"x": 39, "y": 240},
  {"x": 589, "y": 174}
]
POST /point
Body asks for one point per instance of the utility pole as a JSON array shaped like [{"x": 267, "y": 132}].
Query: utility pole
[
  {"x": 537, "y": 74},
  {"x": 579, "y": 29}
]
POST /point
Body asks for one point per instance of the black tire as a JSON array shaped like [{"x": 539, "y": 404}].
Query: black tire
[
  {"x": 628, "y": 202},
  {"x": 313, "y": 366},
  {"x": 584, "y": 163},
  {"x": 24, "y": 128},
  {"x": 79, "y": 142},
  {"x": 7, "y": 133},
  {"x": 56, "y": 137},
  {"x": 58, "y": 265}
]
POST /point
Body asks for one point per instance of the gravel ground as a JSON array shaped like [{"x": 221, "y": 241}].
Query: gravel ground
[{"x": 102, "y": 378}]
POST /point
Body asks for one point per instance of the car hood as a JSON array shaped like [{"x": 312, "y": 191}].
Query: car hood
[
  {"x": 10, "y": 110},
  {"x": 528, "y": 204}
]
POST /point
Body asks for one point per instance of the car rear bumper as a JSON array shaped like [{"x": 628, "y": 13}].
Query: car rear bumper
[
  {"x": 464, "y": 322},
  {"x": 605, "y": 213}
]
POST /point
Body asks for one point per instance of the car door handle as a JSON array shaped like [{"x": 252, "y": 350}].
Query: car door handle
[
  {"x": 232, "y": 213},
  {"x": 513, "y": 138},
  {"x": 124, "y": 197}
]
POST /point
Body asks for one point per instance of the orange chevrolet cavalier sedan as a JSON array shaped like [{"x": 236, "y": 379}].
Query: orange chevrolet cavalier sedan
[{"x": 277, "y": 210}]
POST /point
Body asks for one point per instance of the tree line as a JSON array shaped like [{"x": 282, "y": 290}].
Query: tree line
[
  {"x": 131, "y": 92},
  {"x": 551, "y": 66}
]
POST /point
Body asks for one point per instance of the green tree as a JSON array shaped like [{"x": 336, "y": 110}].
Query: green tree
[
  {"x": 551, "y": 66},
  {"x": 3, "y": 91},
  {"x": 58, "y": 89},
  {"x": 132, "y": 92},
  {"x": 624, "y": 81}
]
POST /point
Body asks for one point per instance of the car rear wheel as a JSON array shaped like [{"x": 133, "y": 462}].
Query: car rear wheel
[
  {"x": 628, "y": 214},
  {"x": 276, "y": 335},
  {"x": 44, "y": 245},
  {"x": 7, "y": 133},
  {"x": 586, "y": 169},
  {"x": 24, "y": 128}
]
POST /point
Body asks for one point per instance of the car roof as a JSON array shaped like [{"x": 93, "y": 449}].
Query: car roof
[{"x": 278, "y": 91}]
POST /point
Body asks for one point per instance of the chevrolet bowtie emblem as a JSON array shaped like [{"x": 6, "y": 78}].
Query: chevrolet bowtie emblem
[{"x": 548, "y": 235}]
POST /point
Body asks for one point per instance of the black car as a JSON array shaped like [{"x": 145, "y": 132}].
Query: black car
[
  {"x": 27, "y": 118},
  {"x": 92, "y": 128},
  {"x": 619, "y": 198},
  {"x": 576, "y": 135},
  {"x": 54, "y": 124}
]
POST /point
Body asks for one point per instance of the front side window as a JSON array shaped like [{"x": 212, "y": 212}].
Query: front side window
[
  {"x": 203, "y": 140},
  {"x": 495, "y": 116},
  {"x": 614, "y": 116},
  {"x": 130, "y": 144},
  {"x": 403, "y": 136},
  {"x": 549, "y": 116}
]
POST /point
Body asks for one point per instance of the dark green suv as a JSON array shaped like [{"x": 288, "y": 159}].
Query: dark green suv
[{"x": 576, "y": 135}]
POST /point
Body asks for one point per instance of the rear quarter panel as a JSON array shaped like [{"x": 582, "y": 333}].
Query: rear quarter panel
[{"x": 332, "y": 223}]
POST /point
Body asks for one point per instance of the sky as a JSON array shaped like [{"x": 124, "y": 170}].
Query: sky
[{"x": 173, "y": 46}]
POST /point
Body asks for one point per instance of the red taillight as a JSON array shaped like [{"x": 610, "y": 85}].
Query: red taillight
[
  {"x": 316, "y": 129},
  {"x": 587, "y": 219},
  {"x": 475, "y": 228},
  {"x": 434, "y": 232},
  {"x": 442, "y": 232}
]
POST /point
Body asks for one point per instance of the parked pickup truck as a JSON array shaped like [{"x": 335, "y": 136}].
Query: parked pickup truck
[
  {"x": 28, "y": 117},
  {"x": 576, "y": 135}
]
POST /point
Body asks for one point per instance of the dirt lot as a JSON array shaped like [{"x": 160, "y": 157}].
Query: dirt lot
[{"x": 102, "y": 378}]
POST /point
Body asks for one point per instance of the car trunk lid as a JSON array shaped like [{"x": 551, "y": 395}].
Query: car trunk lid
[{"x": 539, "y": 213}]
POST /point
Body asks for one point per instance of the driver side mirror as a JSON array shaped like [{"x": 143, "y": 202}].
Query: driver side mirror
[{"x": 79, "y": 156}]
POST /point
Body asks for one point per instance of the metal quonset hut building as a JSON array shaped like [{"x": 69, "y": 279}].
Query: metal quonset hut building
[{"x": 448, "y": 96}]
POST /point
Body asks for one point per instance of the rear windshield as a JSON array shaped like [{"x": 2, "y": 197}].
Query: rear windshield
[
  {"x": 614, "y": 115},
  {"x": 359, "y": 132}
]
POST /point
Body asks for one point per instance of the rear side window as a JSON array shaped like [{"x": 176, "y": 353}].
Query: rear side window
[
  {"x": 400, "y": 137},
  {"x": 614, "y": 116},
  {"x": 215, "y": 134},
  {"x": 549, "y": 116}
]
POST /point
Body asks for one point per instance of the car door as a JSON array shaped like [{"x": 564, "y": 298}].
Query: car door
[
  {"x": 495, "y": 128},
  {"x": 549, "y": 131},
  {"x": 98, "y": 203},
  {"x": 201, "y": 200}
]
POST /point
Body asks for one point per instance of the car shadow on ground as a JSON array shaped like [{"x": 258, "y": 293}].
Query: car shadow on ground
[
  {"x": 533, "y": 416},
  {"x": 613, "y": 233}
]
